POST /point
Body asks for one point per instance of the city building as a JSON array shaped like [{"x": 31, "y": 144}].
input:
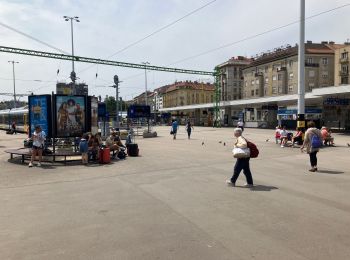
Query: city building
[
  {"x": 231, "y": 82},
  {"x": 342, "y": 62}
]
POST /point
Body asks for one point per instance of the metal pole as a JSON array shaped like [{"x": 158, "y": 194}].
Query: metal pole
[
  {"x": 146, "y": 96},
  {"x": 301, "y": 64},
  {"x": 71, "y": 26},
  {"x": 14, "y": 84},
  {"x": 117, "y": 104}
]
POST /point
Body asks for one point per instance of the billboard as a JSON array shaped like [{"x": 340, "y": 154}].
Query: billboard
[
  {"x": 138, "y": 111},
  {"x": 70, "y": 116},
  {"x": 40, "y": 113}
]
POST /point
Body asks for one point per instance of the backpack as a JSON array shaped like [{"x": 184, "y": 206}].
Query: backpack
[
  {"x": 254, "y": 151},
  {"x": 316, "y": 142},
  {"x": 121, "y": 155}
]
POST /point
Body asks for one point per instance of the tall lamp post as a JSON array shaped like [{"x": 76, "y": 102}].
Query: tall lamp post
[
  {"x": 73, "y": 76},
  {"x": 116, "y": 86},
  {"x": 14, "y": 81},
  {"x": 301, "y": 67},
  {"x": 146, "y": 96}
]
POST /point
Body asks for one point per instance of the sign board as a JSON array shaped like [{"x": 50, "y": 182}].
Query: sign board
[
  {"x": 40, "y": 113},
  {"x": 139, "y": 111},
  {"x": 102, "y": 109},
  {"x": 70, "y": 115},
  {"x": 92, "y": 115},
  {"x": 336, "y": 101},
  {"x": 301, "y": 124}
]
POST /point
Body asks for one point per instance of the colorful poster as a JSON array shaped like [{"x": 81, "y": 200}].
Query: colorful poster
[
  {"x": 70, "y": 116},
  {"x": 39, "y": 113}
]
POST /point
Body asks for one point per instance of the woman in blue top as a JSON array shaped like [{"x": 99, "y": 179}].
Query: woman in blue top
[{"x": 174, "y": 128}]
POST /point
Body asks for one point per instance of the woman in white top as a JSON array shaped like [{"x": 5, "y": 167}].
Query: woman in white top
[{"x": 38, "y": 137}]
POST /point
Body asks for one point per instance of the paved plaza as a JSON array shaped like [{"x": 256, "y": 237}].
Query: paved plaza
[{"x": 172, "y": 203}]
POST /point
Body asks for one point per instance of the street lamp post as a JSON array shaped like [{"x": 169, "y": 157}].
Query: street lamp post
[
  {"x": 14, "y": 82},
  {"x": 146, "y": 96},
  {"x": 116, "y": 86},
  {"x": 71, "y": 19},
  {"x": 301, "y": 64}
]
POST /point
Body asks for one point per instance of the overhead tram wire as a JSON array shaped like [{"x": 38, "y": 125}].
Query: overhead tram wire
[
  {"x": 33, "y": 38},
  {"x": 257, "y": 35},
  {"x": 155, "y": 32},
  {"x": 245, "y": 39}
]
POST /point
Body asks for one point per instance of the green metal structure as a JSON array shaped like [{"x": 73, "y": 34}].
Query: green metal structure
[{"x": 59, "y": 56}]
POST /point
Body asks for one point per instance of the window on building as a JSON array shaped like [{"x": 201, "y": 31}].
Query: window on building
[
  {"x": 212, "y": 98},
  {"x": 256, "y": 81},
  {"x": 291, "y": 75},
  {"x": 280, "y": 90},
  {"x": 345, "y": 68},
  {"x": 257, "y": 92},
  {"x": 311, "y": 85},
  {"x": 325, "y": 74},
  {"x": 309, "y": 60},
  {"x": 265, "y": 91},
  {"x": 267, "y": 80},
  {"x": 324, "y": 61},
  {"x": 344, "y": 55},
  {"x": 253, "y": 82},
  {"x": 290, "y": 88},
  {"x": 311, "y": 73},
  {"x": 252, "y": 93},
  {"x": 229, "y": 97},
  {"x": 290, "y": 63},
  {"x": 234, "y": 84},
  {"x": 274, "y": 77},
  {"x": 274, "y": 90},
  {"x": 279, "y": 76},
  {"x": 235, "y": 90}
]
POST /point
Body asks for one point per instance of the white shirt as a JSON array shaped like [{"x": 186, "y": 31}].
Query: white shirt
[
  {"x": 240, "y": 123},
  {"x": 39, "y": 139},
  {"x": 284, "y": 133}
]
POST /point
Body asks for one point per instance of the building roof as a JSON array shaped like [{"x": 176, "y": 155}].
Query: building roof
[
  {"x": 190, "y": 85},
  {"x": 236, "y": 61},
  {"x": 289, "y": 51}
]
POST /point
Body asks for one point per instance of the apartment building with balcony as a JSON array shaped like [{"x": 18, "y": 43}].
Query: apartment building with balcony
[{"x": 342, "y": 62}]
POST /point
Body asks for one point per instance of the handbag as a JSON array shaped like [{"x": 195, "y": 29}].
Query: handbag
[
  {"x": 241, "y": 152},
  {"x": 171, "y": 132}
]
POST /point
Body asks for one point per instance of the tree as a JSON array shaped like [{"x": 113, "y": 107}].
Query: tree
[{"x": 111, "y": 104}]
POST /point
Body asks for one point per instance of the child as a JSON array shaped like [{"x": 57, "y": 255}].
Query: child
[
  {"x": 83, "y": 148},
  {"x": 278, "y": 134}
]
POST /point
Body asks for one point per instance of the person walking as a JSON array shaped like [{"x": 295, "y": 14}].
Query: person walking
[
  {"x": 241, "y": 163},
  {"x": 240, "y": 124},
  {"x": 313, "y": 143},
  {"x": 39, "y": 137},
  {"x": 174, "y": 127},
  {"x": 189, "y": 128}
]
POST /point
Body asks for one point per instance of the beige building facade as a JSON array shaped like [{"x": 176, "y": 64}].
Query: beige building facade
[
  {"x": 276, "y": 73},
  {"x": 342, "y": 63}
]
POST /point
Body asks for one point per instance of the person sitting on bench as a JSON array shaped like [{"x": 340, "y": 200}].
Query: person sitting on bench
[
  {"x": 112, "y": 144},
  {"x": 298, "y": 137},
  {"x": 326, "y": 136}
]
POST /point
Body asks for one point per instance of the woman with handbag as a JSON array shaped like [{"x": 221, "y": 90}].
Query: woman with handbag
[
  {"x": 313, "y": 143},
  {"x": 242, "y": 153}
]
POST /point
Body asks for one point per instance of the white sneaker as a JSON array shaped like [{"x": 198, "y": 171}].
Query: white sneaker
[
  {"x": 230, "y": 183},
  {"x": 282, "y": 146},
  {"x": 39, "y": 164},
  {"x": 30, "y": 165},
  {"x": 248, "y": 185}
]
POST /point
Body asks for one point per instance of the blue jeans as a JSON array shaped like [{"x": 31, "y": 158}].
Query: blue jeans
[{"x": 242, "y": 164}]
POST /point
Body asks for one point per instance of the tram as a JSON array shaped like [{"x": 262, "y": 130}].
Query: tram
[{"x": 18, "y": 115}]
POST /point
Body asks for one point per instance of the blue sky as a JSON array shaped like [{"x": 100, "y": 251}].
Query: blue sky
[{"x": 109, "y": 25}]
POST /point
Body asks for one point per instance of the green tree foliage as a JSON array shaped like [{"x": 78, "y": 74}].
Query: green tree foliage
[{"x": 110, "y": 104}]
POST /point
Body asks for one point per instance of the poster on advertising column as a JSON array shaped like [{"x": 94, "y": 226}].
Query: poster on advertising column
[
  {"x": 70, "y": 118},
  {"x": 39, "y": 108}
]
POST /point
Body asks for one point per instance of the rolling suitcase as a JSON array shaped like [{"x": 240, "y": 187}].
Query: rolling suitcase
[
  {"x": 104, "y": 156},
  {"x": 133, "y": 150}
]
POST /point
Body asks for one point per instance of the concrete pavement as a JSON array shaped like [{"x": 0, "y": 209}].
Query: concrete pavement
[{"x": 172, "y": 203}]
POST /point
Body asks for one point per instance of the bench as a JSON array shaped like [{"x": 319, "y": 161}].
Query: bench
[{"x": 26, "y": 153}]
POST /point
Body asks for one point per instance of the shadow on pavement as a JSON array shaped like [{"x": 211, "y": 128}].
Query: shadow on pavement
[
  {"x": 330, "y": 172},
  {"x": 263, "y": 188}
]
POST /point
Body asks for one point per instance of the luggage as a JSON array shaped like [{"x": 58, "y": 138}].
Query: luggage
[
  {"x": 133, "y": 150},
  {"x": 121, "y": 154},
  {"x": 104, "y": 156},
  {"x": 241, "y": 153}
]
